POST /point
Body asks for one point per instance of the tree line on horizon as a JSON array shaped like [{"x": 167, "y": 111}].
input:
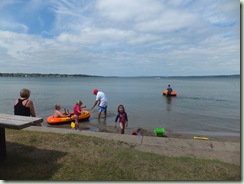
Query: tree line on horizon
[
  {"x": 83, "y": 75},
  {"x": 43, "y": 75}
]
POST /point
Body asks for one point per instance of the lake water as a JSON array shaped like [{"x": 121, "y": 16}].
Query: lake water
[{"x": 203, "y": 106}]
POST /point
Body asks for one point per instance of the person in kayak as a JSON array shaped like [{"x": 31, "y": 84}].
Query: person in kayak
[
  {"x": 169, "y": 90},
  {"x": 58, "y": 113}
]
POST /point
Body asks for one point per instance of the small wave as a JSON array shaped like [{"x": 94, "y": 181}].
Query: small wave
[{"x": 202, "y": 98}]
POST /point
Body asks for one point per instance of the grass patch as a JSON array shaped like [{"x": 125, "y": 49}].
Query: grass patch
[{"x": 51, "y": 156}]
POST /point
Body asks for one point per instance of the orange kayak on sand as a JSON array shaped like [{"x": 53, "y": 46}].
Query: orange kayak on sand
[
  {"x": 173, "y": 93},
  {"x": 52, "y": 120}
]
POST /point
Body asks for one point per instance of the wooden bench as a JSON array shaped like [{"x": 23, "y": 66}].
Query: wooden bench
[{"x": 13, "y": 122}]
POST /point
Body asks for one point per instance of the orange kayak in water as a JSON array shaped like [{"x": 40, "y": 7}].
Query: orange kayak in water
[
  {"x": 83, "y": 116},
  {"x": 173, "y": 93}
]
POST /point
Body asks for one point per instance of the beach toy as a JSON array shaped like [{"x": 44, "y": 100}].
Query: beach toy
[
  {"x": 72, "y": 124},
  {"x": 201, "y": 138},
  {"x": 159, "y": 131},
  {"x": 173, "y": 93}
]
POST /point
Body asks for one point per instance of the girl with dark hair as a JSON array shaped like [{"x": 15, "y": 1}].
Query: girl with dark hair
[{"x": 123, "y": 119}]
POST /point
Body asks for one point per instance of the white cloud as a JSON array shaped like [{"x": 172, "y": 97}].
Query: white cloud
[
  {"x": 15, "y": 27},
  {"x": 167, "y": 21},
  {"x": 220, "y": 12},
  {"x": 127, "y": 10},
  {"x": 112, "y": 37},
  {"x": 94, "y": 36}
]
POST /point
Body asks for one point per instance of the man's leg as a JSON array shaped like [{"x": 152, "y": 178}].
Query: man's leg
[
  {"x": 105, "y": 113},
  {"x": 99, "y": 114}
]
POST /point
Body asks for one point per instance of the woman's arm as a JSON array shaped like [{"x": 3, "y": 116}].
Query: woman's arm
[{"x": 32, "y": 109}]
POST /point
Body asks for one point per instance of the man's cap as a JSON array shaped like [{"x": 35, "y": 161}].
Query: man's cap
[{"x": 95, "y": 91}]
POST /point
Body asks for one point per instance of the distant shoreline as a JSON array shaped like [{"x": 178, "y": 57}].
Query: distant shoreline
[
  {"x": 44, "y": 75},
  {"x": 83, "y": 75}
]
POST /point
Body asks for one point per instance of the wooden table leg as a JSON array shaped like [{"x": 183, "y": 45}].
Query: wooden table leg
[{"x": 2, "y": 144}]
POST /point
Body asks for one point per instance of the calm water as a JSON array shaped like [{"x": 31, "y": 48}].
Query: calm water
[{"x": 203, "y": 106}]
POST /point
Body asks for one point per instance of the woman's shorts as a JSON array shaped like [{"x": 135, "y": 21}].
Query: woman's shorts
[{"x": 102, "y": 109}]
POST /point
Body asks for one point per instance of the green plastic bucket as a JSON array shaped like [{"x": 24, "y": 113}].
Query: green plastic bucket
[{"x": 159, "y": 132}]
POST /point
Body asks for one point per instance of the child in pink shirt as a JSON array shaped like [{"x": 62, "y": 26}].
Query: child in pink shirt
[{"x": 77, "y": 112}]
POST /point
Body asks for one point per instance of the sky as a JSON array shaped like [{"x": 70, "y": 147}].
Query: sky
[{"x": 120, "y": 37}]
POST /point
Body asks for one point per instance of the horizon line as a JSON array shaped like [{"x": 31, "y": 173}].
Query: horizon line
[{"x": 88, "y": 75}]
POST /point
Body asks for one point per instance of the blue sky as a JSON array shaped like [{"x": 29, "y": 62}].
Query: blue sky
[{"x": 120, "y": 37}]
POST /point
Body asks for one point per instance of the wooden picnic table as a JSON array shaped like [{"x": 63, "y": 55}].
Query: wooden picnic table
[{"x": 13, "y": 122}]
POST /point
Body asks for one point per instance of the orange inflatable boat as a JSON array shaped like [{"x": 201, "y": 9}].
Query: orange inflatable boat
[
  {"x": 52, "y": 120},
  {"x": 173, "y": 93}
]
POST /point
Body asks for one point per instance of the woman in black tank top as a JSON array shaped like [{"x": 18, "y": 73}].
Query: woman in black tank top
[
  {"x": 23, "y": 106},
  {"x": 20, "y": 109}
]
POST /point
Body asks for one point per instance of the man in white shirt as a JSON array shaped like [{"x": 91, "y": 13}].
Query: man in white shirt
[{"x": 102, "y": 102}]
